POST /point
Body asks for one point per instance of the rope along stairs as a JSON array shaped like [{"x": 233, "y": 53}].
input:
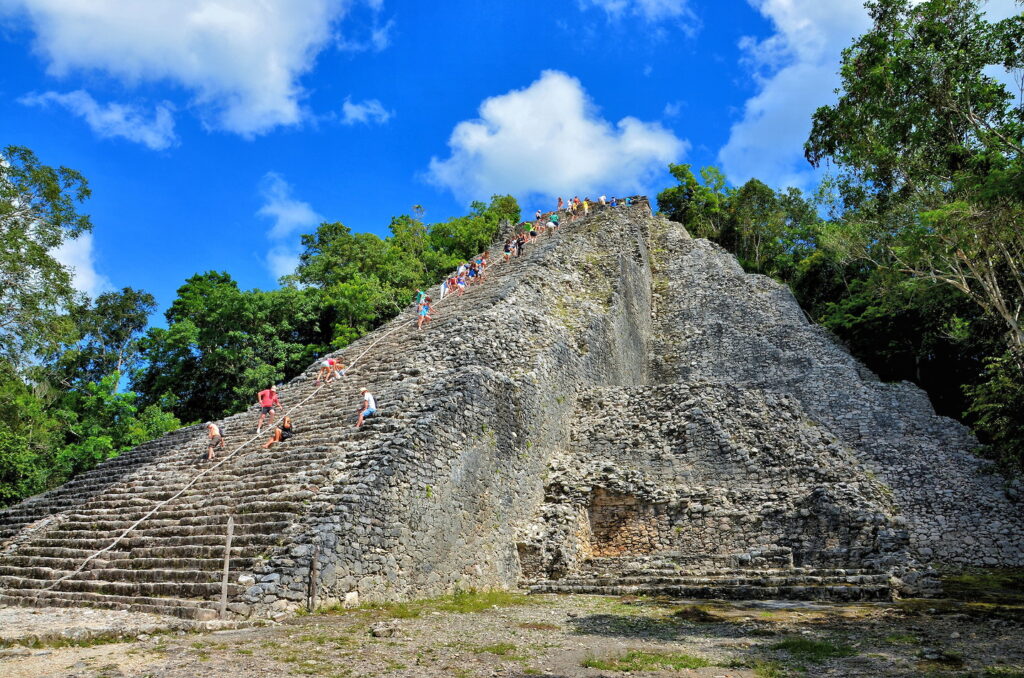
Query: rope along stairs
[{"x": 145, "y": 532}]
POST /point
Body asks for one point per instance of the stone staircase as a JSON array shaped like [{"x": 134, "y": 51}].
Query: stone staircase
[
  {"x": 735, "y": 577},
  {"x": 580, "y": 422},
  {"x": 172, "y": 562}
]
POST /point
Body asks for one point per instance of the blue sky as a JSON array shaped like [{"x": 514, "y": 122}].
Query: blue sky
[{"x": 214, "y": 132}]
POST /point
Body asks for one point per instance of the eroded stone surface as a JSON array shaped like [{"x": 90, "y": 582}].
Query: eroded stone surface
[{"x": 621, "y": 409}]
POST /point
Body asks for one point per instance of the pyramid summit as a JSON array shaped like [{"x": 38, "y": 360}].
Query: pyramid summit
[{"x": 619, "y": 410}]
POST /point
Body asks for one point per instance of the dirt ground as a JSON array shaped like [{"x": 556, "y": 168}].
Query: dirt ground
[{"x": 510, "y": 635}]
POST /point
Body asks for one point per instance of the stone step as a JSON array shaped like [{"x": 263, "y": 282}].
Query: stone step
[
  {"x": 174, "y": 512},
  {"x": 129, "y": 588},
  {"x": 31, "y": 550},
  {"x": 199, "y": 499},
  {"x": 740, "y": 592},
  {"x": 182, "y": 539},
  {"x": 727, "y": 572},
  {"x": 238, "y": 563},
  {"x": 9, "y": 574},
  {"x": 146, "y": 529},
  {"x": 727, "y": 580},
  {"x": 83, "y": 522},
  {"x": 178, "y": 607}
]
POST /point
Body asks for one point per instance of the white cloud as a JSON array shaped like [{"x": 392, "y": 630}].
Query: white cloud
[
  {"x": 289, "y": 216},
  {"x": 673, "y": 108},
  {"x": 796, "y": 70},
  {"x": 548, "y": 139},
  {"x": 239, "y": 60},
  {"x": 368, "y": 112},
  {"x": 78, "y": 255},
  {"x": 114, "y": 119},
  {"x": 650, "y": 10},
  {"x": 282, "y": 260}
]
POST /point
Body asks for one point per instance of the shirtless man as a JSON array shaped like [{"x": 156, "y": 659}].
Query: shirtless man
[
  {"x": 268, "y": 402},
  {"x": 216, "y": 439}
]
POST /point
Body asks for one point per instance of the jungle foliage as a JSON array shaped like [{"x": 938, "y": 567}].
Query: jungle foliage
[
  {"x": 912, "y": 251},
  {"x": 65, "y": 359}
]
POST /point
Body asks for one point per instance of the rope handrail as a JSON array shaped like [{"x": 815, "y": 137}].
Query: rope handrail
[{"x": 205, "y": 471}]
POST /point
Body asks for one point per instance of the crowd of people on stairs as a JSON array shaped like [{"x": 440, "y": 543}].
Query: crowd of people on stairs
[{"x": 467, "y": 274}]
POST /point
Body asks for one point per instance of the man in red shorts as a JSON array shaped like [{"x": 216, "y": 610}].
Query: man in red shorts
[{"x": 268, "y": 401}]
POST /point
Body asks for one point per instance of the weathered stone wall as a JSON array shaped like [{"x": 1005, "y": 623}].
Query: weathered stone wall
[
  {"x": 472, "y": 410},
  {"x": 718, "y": 325},
  {"x": 620, "y": 392},
  {"x": 710, "y": 470}
]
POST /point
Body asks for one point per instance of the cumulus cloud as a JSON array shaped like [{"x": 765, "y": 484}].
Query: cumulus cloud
[
  {"x": 78, "y": 255},
  {"x": 548, "y": 139},
  {"x": 114, "y": 119},
  {"x": 289, "y": 216},
  {"x": 796, "y": 70},
  {"x": 368, "y": 112},
  {"x": 240, "y": 60}
]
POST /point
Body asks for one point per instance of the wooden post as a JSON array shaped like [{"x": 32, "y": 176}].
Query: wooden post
[
  {"x": 227, "y": 562},
  {"x": 314, "y": 570}
]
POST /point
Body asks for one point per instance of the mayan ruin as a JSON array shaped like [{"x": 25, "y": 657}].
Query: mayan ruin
[{"x": 670, "y": 425}]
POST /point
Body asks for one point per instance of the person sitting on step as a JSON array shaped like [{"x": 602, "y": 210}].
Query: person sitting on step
[
  {"x": 368, "y": 408},
  {"x": 282, "y": 432}
]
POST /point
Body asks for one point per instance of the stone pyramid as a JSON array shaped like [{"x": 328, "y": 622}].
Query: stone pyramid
[{"x": 619, "y": 410}]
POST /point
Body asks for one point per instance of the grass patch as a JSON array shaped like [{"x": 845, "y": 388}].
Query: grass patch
[
  {"x": 636, "y": 660},
  {"x": 766, "y": 669},
  {"x": 902, "y": 639},
  {"x": 1002, "y": 672},
  {"x": 500, "y": 649},
  {"x": 761, "y": 667},
  {"x": 323, "y": 638},
  {"x": 461, "y": 602},
  {"x": 58, "y": 642},
  {"x": 471, "y": 600},
  {"x": 815, "y": 651}
]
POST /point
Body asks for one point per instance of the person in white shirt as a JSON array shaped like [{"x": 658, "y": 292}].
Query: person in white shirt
[{"x": 368, "y": 407}]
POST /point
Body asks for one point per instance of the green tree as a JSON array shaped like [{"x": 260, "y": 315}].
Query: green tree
[
  {"x": 361, "y": 280},
  {"x": 100, "y": 423},
  {"x": 924, "y": 130},
  {"x": 996, "y": 413},
  {"x": 758, "y": 223},
  {"x": 699, "y": 205},
  {"x": 37, "y": 214},
  {"x": 110, "y": 328},
  {"x": 222, "y": 345}
]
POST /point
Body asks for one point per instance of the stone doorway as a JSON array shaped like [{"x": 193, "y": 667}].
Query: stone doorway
[{"x": 622, "y": 524}]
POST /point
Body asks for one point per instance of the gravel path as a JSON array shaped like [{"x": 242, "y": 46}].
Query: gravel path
[{"x": 552, "y": 636}]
